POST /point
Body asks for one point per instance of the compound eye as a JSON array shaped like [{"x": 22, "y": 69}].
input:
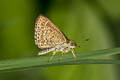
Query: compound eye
[{"x": 73, "y": 44}]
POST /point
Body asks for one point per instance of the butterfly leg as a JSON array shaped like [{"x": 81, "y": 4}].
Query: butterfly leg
[
  {"x": 52, "y": 55},
  {"x": 61, "y": 56},
  {"x": 73, "y": 53}
]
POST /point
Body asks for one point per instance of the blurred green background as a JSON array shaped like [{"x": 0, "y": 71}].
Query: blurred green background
[{"x": 98, "y": 20}]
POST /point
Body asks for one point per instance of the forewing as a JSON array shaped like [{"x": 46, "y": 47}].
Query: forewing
[{"x": 47, "y": 35}]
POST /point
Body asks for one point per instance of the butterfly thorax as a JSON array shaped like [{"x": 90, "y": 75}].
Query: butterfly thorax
[{"x": 65, "y": 47}]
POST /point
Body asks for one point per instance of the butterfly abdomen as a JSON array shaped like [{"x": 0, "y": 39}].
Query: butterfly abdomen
[{"x": 45, "y": 51}]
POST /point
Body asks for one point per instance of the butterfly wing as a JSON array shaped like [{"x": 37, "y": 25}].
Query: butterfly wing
[{"x": 47, "y": 35}]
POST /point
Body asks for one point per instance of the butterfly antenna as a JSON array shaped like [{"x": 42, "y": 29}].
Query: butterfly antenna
[
  {"x": 78, "y": 46},
  {"x": 87, "y": 39}
]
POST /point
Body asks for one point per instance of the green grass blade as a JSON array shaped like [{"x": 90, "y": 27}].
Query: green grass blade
[{"x": 42, "y": 61}]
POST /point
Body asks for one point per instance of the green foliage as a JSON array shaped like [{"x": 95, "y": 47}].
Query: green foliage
[
  {"x": 78, "y": 19},
  {"x": 42, "y": 61}
]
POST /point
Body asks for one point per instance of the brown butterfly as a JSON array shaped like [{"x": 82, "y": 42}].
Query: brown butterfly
[{"x": 49, "y": 38}]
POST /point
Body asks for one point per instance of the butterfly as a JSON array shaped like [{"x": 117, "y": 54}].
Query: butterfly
[{"x": 50, "y": 38}]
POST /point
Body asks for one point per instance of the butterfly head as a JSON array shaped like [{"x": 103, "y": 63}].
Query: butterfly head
[{"x": 72, "y": 44}]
